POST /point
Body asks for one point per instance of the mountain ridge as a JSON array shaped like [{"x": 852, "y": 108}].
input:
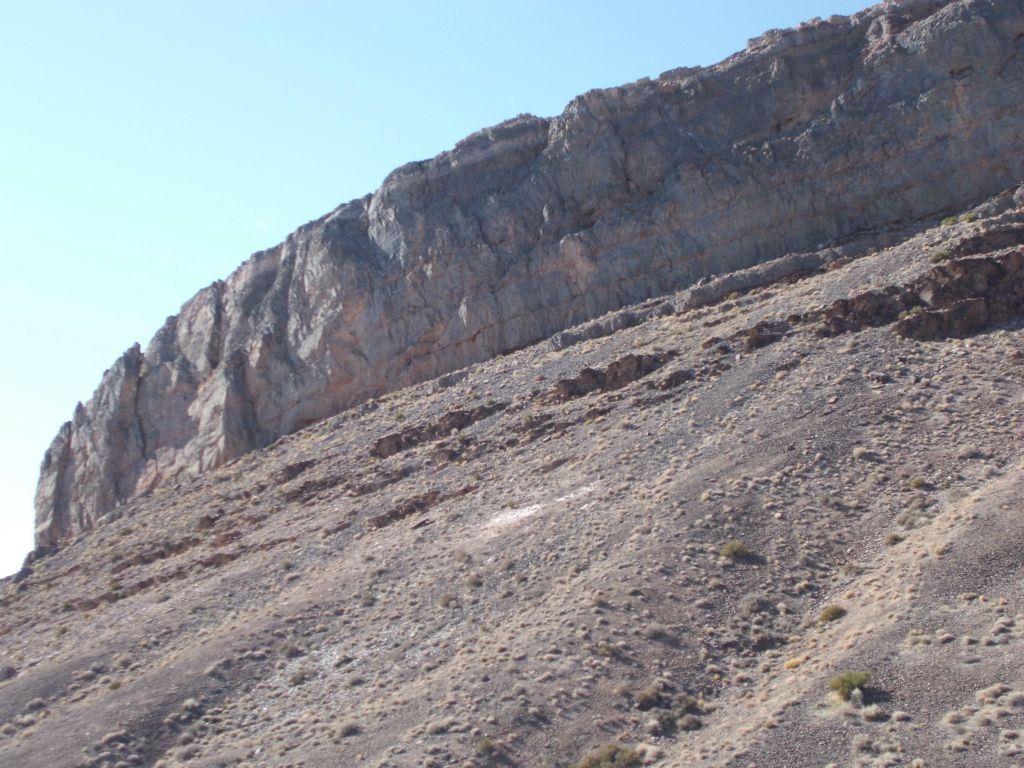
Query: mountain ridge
[
  {"x": 659, "y": 536},
  {"x": 531, "y": 226},
  {"x": 767, "y": 517}
]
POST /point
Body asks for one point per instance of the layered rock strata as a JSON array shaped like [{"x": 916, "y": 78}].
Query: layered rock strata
[{"x": 810, "y": 136}]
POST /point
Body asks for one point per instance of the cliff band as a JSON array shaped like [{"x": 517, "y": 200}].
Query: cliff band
[{"x": 810, "y": 136}]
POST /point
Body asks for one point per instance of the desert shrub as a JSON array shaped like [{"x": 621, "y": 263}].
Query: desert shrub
[
  {"x": 948, "y": 221},
  {"x": 912, "y": 312},
  {"x": 734, "y": 549},
  {"x": 607, "y": 650},
  {"x": 611, "y": 756},
  {"x": 656, "y": 631},
  {"x": 290, "y": 650},
  {"x": 649, "y": 697},
  {"x": 684, "y": 703},
  {"x": 939, "y": 256},
  {"x": 846, "y": 683},
  {"x": 918, "y": 483},
  {"x": 689, "y": 723},
  {"x": 831, "y": 613},
  {"x": 348, "y": 729}
]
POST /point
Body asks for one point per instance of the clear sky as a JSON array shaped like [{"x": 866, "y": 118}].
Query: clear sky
[{"x": 146, "y": 149}]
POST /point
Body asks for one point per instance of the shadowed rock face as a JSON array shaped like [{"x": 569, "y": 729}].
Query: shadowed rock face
[{"x": 532, "y": 226}]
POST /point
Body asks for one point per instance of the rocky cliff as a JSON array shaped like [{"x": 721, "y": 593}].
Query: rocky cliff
[
  {"x": 656, "y": 539},
  {"x": 810, "y": 136}
]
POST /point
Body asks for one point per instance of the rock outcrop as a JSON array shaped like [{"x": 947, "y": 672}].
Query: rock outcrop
[{"x": 810, "y": 136}]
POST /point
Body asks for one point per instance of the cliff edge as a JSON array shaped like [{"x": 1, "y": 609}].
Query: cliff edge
[{"x": 810, "y": 136}]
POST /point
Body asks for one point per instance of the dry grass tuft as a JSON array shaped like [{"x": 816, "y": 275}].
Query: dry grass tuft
[{"x": 843, "y": 685}]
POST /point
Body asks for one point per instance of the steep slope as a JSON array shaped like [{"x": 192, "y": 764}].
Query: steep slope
[
  {"x": 622, "y": 538},
  {"x": 811, "y": 136}
]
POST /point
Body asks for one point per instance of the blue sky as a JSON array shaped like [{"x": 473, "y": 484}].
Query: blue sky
[{"x": 146, "y": 149}]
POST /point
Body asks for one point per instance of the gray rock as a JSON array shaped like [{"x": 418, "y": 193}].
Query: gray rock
[
  {"x": 535, "y": 225},
  {"x": 611, "y": 323}
]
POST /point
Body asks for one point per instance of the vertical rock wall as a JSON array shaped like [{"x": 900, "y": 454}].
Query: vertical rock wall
[{"x": 810, "y": 135}]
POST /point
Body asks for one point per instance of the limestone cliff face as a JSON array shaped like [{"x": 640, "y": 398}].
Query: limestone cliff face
[{"x": 810, "y": 135}]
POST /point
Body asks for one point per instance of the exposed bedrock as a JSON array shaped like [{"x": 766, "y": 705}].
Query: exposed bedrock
[{"x": 809, "y": 136}]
